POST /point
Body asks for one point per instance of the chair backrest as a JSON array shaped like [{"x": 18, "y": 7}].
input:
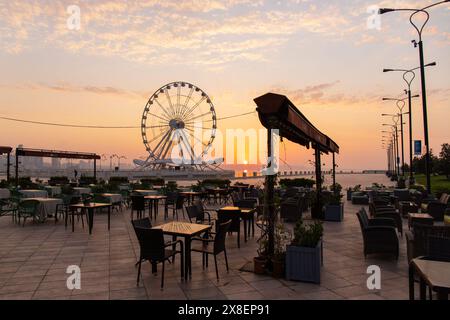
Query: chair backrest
[
  {"x": 142, "y": 223},
  {"x": 443, "y": 198},
  {"x": 179, "y": 201},
  {"x": 193, "y": 213},
  {"x": 151, "y": 242},
  {"x": 422, "y": 234},
  {"x": 74, "y": 199},
  {"x": 137, "y": 202},
  {"x": 439, "y": 247},
  {"x": 363, "y": 219},
  {"x": 436, "y": 210},
  {"x": 221, "y": 234},
  {"x": 233, "y": 215},
  {"x": 200, "y": 210},
  {"x": 402, "y": 194},
  {"x": 29, "y": 206},
  {"x": 171, "y": 198}
]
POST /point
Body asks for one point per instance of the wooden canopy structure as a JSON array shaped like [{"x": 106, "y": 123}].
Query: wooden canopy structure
[
  {"x": 25, "y": 152},
  {"x": 7, "y": 151},
  {"x": 278, "y": 112}
]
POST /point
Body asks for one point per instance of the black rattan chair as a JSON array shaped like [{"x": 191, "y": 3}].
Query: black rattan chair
[
  {"x": 154, "y": 249},
  {"x": 174, "y": 202},
  {"x": 377, "y": 236},
  {"x": 138, "y": 205},
  {"x": 218, "y": 246},
  {"x": 235, "y": 226}
]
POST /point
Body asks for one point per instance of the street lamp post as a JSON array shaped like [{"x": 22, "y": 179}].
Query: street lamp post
[
  {"x": 395, "y": 119},
  {"x": 396, "y": 147},
  {"x": 121, "y": 157},
  {"x": 419, "y": 30},
  {"x": 400, "y": 105},
  {"x": 408, "y": 77},
  {"x": 110, "y": 160}
]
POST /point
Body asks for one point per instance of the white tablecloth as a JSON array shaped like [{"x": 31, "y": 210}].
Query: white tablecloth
[
  {"x": 81, "y": 190},
  {"x": 47, "y": 206},
  {"x": 113, "y": 197},
  {"x": 53, "y": 190},
  {"x": 147, "y": 192},
  {"x": 4, "y": 194},
  {"x": 34, "y": 193}
]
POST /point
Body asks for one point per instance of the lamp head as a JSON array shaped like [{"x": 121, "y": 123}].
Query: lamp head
[
  {"x": 385, "y": 10},
  {"x": 432, "y": 64}
]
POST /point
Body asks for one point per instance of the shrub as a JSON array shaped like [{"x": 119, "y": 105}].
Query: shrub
[
  {"x": 307, "y": 235},
  {"x": 300, "y": 182},
  {"x": 148, "y": 182},
  {"x": 85, "y": 180},
  {"x": 220, "y": 183}
]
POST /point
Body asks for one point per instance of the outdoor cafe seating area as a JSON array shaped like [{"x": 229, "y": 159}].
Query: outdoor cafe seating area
[{"x": 180, "y": 235}]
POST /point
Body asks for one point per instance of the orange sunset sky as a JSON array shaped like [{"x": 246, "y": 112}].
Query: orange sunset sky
[{"x": 321, "y": 54}]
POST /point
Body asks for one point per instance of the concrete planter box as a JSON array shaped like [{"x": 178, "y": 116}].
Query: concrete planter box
[
  {"x": 349, "y": 195},
  {"x": 304, "y": 264},
  {"x": 334, "y": 213},
  {"x": 360, "y": 198}
]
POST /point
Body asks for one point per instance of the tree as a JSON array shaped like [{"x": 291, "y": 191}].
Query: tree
[
  {"x": 419, "y": 163},
  {"x": 444, "y": 160}
]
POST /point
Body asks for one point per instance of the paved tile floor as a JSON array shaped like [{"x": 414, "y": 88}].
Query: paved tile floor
[{"x": 33, "y": 262}]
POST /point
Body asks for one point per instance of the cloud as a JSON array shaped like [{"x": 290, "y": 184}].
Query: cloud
[
  {"x": 71, "y": 88},
  {"x": 161, "y": 32},
  {"x": 209, "y": 33}
]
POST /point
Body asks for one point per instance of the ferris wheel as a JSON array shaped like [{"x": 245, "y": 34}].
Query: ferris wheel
[{"x": 170, "y": 120}]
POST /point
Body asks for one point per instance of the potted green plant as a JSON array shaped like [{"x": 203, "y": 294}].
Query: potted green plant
[
  {"x": 333, "y": 206},
  {"x": 350, "y": 191},
  {"x": 304, "y": 256}
]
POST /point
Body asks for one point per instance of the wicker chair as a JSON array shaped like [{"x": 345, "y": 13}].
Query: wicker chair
[
  {"x": 28, "y": 209},
  {"x": 387, "y": 212},
  {"x": 378, "y": 236},
  {"x": 291, "y": 209},
  {"x": 417, "y": 240},
  {"x": 154, "y": 249},
  {"x": 218, "y": 246}
]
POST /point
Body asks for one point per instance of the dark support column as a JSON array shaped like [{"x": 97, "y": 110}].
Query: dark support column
[
  {"x": 17, "y": 169},
  {"x": 8, "y": 166},
  {"x": 317, "y": 211},
  {"x": 95, "y": 168},
  {"x": 334, "y": 172},
  {"x": 269, "y": 210}
]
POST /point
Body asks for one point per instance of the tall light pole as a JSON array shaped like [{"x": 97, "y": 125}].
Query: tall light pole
[
  {"x": 400, "y": 105},
  {"x": 110, "y": 160},
  {"x": 391, "y": 155},
  {"x": 408, "y": 77},
  {"x": 394, "y": 127},
  {"x": 102, "y": 157},
  {"x": 121, "y": 157},
  {"x": 419, "y": 29}
]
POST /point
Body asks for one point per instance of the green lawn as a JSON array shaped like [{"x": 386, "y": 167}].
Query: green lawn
[{"x": 438, "y": 183}]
